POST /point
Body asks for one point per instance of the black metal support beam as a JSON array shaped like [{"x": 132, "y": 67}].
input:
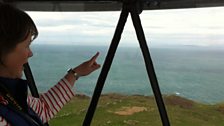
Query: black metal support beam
[
  {"x": 106, "y": 67},
  {"x": 134, "y": 8},
  {"x": 30, "y": 79},
  {"x": 149, "y": 64}
]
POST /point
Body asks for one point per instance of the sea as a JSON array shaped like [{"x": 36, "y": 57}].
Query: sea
[{"x": 193, "y": 72}]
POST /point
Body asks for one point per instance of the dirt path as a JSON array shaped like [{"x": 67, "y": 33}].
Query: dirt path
[{"x": 130, "y": 110}]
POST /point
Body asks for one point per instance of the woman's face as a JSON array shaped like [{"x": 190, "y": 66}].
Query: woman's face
[{"x": 14, "y": 61}]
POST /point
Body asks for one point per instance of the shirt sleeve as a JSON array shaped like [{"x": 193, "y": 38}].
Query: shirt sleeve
[
  {"x": 3, "y": 122},
  {"x": 49, "y": 103}
]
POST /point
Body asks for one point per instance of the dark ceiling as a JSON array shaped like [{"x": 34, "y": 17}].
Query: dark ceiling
[{"x": 108, "y": 5}]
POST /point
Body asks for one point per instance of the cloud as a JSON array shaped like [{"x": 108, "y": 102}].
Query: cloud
[{"x": 178, "y": 26}]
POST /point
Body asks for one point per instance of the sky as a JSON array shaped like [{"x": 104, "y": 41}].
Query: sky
[{"x": 194, "y": 27}]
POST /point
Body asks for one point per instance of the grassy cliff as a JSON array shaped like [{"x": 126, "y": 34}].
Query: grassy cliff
[{"x": 121, "y": 110}]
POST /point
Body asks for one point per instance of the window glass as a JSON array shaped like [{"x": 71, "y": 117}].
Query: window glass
[{"x": 186, "y": 46}]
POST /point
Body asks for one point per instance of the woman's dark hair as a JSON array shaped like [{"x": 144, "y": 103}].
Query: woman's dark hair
[{"x": 15, "y": 26}]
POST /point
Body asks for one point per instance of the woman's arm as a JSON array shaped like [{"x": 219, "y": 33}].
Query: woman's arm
[{"x": 51, "y": 102}]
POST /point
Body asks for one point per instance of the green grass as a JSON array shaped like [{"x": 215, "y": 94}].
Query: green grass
[{"x": 181, "y": 112}]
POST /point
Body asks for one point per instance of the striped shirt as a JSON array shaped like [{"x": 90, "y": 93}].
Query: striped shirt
[{"x": 49, "y": 103}]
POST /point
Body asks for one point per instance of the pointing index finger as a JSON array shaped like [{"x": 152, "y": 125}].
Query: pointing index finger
[{"x": 93, "y": 59}]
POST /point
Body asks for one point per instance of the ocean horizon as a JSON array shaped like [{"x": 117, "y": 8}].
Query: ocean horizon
[{"x": 192, "y": 72}]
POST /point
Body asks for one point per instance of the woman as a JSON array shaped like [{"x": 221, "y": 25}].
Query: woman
[{"x": 17, "y": 31}]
